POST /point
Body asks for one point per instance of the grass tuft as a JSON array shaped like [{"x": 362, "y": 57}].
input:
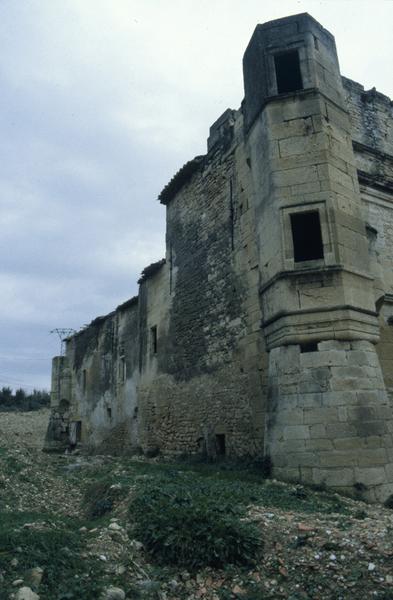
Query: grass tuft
[{"x": 193, "y": 524}]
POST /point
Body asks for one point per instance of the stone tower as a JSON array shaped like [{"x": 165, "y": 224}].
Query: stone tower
[{"x": 328, "y": 417}]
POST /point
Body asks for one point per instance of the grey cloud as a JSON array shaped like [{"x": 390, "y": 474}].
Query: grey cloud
[{"x": 100, "y": 104}]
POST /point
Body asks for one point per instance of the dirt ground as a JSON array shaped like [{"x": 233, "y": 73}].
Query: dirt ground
[
  {"x": 23, "y": 429},
  {"x": 316, "y": 546}
]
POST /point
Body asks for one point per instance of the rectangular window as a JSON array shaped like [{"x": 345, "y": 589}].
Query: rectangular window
[
  {"x": 78, "y": 431},
  {"x": 75, "y": 432},
  {"x": 306, "y": 236},
  {"x": 288, "y": 75},
  {"x": 309, "y": 347},
  {"x": 220, "y": 444},
  {"x": 84, "y": 380},
  {"x": 122, "y": 369},
  {"x": 153, "y": 331}
]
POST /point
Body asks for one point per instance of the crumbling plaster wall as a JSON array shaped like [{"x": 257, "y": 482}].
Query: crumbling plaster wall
[
  {"x": 58, "y": 432},
  {"x": 103, "y": 359}
]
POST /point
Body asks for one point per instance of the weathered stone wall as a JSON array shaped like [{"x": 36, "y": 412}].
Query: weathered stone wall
[
  {"x": 372, "y": 132},
  {"x": 378, "y": 214},
  {"x": 205, "y": 379},
  {"x": 371, "y": 117},
  {"x": 103, "y": 359},
  {"x": 330, "y": 420},
  {"x": 57, "y": 435}
]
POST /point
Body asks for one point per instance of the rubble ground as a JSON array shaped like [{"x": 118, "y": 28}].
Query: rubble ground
[{"x": 66, "y": 530}]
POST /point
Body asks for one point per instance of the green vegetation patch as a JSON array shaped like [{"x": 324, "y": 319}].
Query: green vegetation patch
[
  {"x": 51, "y": 543},
  {"x": 11, "y": 465},
  {"x": 199, "y": 518},
  {"x": 192, "y": 523},
  {"x": 100, "y": 496}
]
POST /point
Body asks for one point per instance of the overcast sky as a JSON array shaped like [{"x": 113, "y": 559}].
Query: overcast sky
[{"x": 101, "y": 102}]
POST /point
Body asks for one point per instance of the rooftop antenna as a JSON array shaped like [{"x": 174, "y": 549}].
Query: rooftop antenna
[{"x": 63, "y": 333}]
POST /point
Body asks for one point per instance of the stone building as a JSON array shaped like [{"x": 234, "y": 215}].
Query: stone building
[{"x": 267, "y": 329}]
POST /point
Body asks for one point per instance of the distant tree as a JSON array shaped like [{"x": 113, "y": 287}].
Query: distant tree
[
  {"x": 22, "y": 400},
  {"x": 6, "y": 396}
]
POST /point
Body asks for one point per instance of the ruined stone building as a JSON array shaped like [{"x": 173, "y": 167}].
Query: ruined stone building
[{"x": 267, "y": 330}]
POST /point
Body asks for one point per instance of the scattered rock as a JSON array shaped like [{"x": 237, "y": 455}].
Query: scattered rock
[
  {"x": 116, "y": 486},
  {"x": 173, "y": 584},
  {"x": 26, "y": 593},
  {"x": 120, "y": 570},
  {"x": 238, "y": 590},
  {"x": 34, "y": 576},
  {"x": 304, "y": 527},
  {"x": 114, "y": 526},
  {"x": 136, "y": 545},
  {"x": 113, "y": 593}
]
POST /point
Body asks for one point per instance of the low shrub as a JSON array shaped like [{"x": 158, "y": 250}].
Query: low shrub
[
  {"x": 189, "y": 524},
  {"x": 99, "y": 498},
  {"x": 54, "y": 545}
]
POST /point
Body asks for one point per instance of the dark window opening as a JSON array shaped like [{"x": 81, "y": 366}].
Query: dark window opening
[
  {"x": 84, "y": 380},
  {"x": 310, "y": 347},
  {"x": 75, "y": 433},
  {"x": 154, "y": 339},
  {"x": 64, "y": 406},
  {"x": 122, "y": 369},
  {"x": 288, "y": 75},
  {"x": 232, "y": 214},
  {"x": 220, "y": 444},
  {"x": 201, "y": 445},
  {"x": 307, "y": 236},
  {"x": 109, "y": 413},
  {"x": 316, "y": 43}
]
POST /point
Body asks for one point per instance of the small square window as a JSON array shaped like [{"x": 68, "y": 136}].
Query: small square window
[
  {"x": 288, "y": 75},
  {"x": 309, "y": 347},
  {"x": 306, "y": 236}
]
